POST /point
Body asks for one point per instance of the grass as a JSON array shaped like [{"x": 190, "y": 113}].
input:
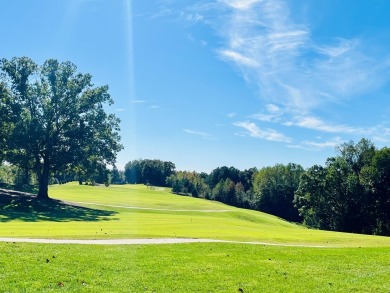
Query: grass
[
  {"x": 214, "y": 267},
  {"x": 58, "y": 220},
  {"x": 132, "y": 195},
  {"x": 359, "y": 264}
]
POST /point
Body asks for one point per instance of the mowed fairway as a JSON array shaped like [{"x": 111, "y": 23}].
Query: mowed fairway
[
  {"x": 348, "y": 263},
  {"x": 133, "y": 211}
]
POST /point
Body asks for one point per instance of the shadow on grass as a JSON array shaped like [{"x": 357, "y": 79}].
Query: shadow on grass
[{"x": 21, "y": 206}]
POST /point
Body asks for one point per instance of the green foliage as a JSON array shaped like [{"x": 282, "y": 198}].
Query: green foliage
[
  {"x": 310, "y": 198},
  {"x": 5, "y": 121},
  {"x": 153, "y": 172},
  {"x": 117, "y": 176},
  {"x": 8, "y": 174},
  {"x": 56, "y": 119},
  {"x": 92, "y": 171},
  {"x": 377, "y": 183},
  {"x": 274, "y": 189},
  {"x": 270, "y": 190},
  {"x": 351, "y": 193},
  {"x": 189, "y": 183},
  {"x": 225, "y": 184},
  {"x": 221, "y": 174},
  {"x": 224, "y": 191}
]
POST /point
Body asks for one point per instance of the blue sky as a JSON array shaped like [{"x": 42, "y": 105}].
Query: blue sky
[{"x": 244, "y": 83}]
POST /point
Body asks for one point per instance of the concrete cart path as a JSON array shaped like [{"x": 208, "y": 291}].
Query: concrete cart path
[{"x": 144, "y": 241}]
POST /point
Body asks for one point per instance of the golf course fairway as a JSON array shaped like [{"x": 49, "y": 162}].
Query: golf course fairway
[{"x": 299, "y": 259}]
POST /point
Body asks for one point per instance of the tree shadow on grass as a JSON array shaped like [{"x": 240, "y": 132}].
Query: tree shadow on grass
[{"x": 21, "y": 206}]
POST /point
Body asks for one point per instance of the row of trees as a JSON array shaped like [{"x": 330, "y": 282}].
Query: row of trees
[
  {"x": 152, "y": 172},
  {"x": 224, "y": 184},
  {"x": 269, "y": 189},
  {"x": 53, "y": 120},
  {"x": 351, "y": 193}
]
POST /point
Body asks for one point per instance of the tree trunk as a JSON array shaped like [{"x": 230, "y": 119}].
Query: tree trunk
[
  {"x": 43, "y": 192},
  {"x": 43, "y": 188},
  {"x": 26, "y": 179},
  {"x": 80, "y": 178}
]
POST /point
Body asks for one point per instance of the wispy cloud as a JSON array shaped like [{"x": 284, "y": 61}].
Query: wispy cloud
[
  {"x": 203, "y": 43},
  {"x": 268, "y": 134},
  {"x": 138, "y": 101},
  {"x": 290, "y": 68},
  {"x": 297, "y": 75},
  {"x": 274, "y": 114},
  {"x": 192, "y": 17},
  {"x": 238, "y": 58},
  {"x": 271, "y": 113},
  {"x": 240, "y": 4},
  {"x": 202, "y": 134},
  {"x": 317, "y": 145},
  {"x": 315, "y": 123}
]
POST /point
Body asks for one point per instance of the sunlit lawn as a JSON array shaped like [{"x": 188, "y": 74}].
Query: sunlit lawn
[
  {"x": 212, "y": 267},
  {"x": 354, "y": 263},
  {"x": 173, "y": 219}
]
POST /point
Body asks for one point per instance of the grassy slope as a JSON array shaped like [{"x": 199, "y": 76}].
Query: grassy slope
[
  {"x": 113, "y": 222},
  {"x": 211, "y": 267}
]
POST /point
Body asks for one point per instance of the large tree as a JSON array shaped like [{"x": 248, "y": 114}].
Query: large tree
[{"x": 57, "y": 119}]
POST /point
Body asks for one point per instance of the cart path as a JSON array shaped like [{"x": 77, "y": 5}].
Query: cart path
[
  {"x": 143, "y": 208},
  {"x": 145, "y": 241}
]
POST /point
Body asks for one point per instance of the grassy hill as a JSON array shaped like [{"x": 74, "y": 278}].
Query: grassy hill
[
  {"x": 134, "y": 211},
  {"x": 359, "y": 263}
]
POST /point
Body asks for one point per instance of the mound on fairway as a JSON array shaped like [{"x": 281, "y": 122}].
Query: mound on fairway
[{"x": 134, "y": 211}]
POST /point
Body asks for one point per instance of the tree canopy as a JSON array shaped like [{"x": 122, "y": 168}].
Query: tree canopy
[
  {"x": 351, "y": 193},
  {"x": 154, "y": 172},
  {"x": 55, "y": 119},
  {"x": 274, "y": 188}
]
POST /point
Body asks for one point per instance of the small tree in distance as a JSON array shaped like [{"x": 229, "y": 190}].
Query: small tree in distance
[{"x": 56, "y": 119}]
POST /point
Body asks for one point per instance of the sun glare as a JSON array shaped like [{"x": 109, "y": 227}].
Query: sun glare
[{"x": 128, "y": 19}]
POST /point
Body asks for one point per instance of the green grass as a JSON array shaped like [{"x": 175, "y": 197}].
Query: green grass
[
  {"x": 213, "y": 267},
  {"x": 362, "y": 264},
  {"x": 58, "y": 220},
  {"x": 132, "y": 195}
]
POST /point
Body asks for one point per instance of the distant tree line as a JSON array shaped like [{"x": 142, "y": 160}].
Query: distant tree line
[
  {"x": 151, "y": 172},
  {"x": 224, "y": 184},
  {"x": 351, "y": 193},
  {"x": 269, "y": 189}
]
